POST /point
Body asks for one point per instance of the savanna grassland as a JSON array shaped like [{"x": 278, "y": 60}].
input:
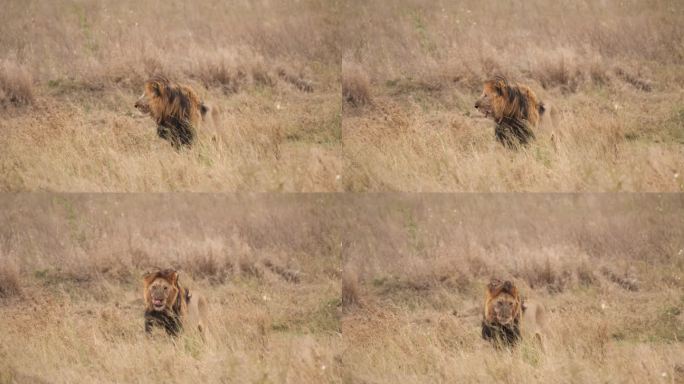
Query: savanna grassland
[
  {"x": 70, "y": 72},
  {"x": 609, "y": 269},
  {"x": 611, "y": 72},
  {"x": 71, "y": 307}
]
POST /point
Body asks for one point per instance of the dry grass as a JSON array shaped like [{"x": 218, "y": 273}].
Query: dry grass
[
  {"x": 9, "y": 280},
  {"x": 351, "y": 297},
  {"x": 355, "y": 86},
  {"x": 70, "y": 73},
  {"x": 610, "y": 71},
  {"x": 79, "y": 318},
  {"x": 405, "y": 307},
  {"x": 16, "y": 85},
  {"x": 422, "y": 263}
]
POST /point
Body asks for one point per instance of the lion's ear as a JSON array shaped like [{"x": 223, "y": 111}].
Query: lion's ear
[
  {"x": 173, "y": 276},
  {"x": 148, "y": 277},
  {"x": 499, "y": 86},
  {"x": 156, "y": 88},
  {"x": 493, "y": 286}
]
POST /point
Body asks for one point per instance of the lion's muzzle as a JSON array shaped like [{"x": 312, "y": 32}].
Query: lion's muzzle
[
  {"x": 483, "y": 107},
  {"x": 142, "y": 105},
  {"x": 158, "y": 304}
]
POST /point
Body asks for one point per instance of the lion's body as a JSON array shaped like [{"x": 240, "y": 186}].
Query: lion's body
[
  {"x": 533, "y": 319},
  {"x": 502, "y": 313},
  {"x": 175, "y": 108},
  {"x": 507, "y": 318},
  {"x": 170, "y": 306},
  {"x": 514, "y": 107}
]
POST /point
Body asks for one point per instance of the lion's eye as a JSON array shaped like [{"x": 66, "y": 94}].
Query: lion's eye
[{"x": 166, "y": 288}]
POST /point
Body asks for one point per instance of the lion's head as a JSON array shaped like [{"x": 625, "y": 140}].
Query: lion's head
[
  {"x": 175, "y": 108},
  {"x": 501, "y": 99},
  {"x": 503, "y": 305},
  {"x": 161, "y": 290}
]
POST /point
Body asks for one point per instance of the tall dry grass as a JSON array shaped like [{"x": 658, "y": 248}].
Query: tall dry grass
[
  {"x": 610, "y": 71},
  {"x": 608, "y": 268},
  {"x": 77, "y": 263},
  {"x": 71, "y": 72},
  {"x": 342, "y": 288}
]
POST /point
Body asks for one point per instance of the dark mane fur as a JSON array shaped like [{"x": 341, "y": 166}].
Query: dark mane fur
[
  {"x": 512, "y": 132},
  {"x": 175, "y": 109},
  {"x": 501, "y": 335}
]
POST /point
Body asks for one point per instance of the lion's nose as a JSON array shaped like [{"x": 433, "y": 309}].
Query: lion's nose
[{"x": 477, "y": 105}]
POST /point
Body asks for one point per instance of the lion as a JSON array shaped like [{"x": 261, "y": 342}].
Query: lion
[
  {"x": 505, "y": 313},
  {"x": 171, "y": 306},
  {"x": 175, "y": 108},
  {"x": 515, "y": 109}
]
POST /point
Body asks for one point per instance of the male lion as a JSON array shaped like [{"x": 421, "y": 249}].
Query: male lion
[
  {"x": 175, "y": 108},
  {"x": 171, "y": 306},
  {"x": 514, "y": 108},
  {"x": 505, "y": 312}
]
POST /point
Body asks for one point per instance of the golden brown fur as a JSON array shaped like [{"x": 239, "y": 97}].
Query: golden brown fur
[
  {"x": 507, "y": 317},
  {"x": 175, "y": 108},
  {"x": 514, "y": 107},
  {"x": 170, "y": 305},
  {"x": 502, "y": 313}
]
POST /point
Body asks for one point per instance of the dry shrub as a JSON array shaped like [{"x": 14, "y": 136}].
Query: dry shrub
[
  {"x": 636, "y": 80},
  {"x": 297, "y": 80},
  {"x": 355, "y": 86},
  {"x": 624, "y": 280},
  {"x": 351, "y": 291},
  {"x": 230, "y": 79},
  {"x": 560, "y": 73},
  {"x": 291, "y": 275},
  {"x": 16, "y": 85},
  {"x": 210, "y": 266},
  {"x": 262, "y": 76},
  {"x": 9, "y": 280},
  {"x": 250, "y": 268}
]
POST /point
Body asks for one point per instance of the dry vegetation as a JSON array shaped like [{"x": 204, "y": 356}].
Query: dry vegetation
[
  {"x": 612, "y": 72},
  {"x": 70, "y": 72},
  {"x": 71, "y": 292},
  {"x": 342, "y": 288},
  {"x": 610, "y": 269}
]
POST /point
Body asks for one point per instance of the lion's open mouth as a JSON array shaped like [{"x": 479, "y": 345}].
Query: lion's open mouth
[{"x": 158, "y": 304}]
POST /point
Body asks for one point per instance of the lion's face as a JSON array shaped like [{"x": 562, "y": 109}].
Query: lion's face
[
  {"x": 505, "y": 310},
  {"x": 156, "y": 97},
  {"x": 502, "y": 303},
  {"x": 490, "y": 93},
  {"x": 143, "y": 104},
  {"x": 161, "y": 290}
]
